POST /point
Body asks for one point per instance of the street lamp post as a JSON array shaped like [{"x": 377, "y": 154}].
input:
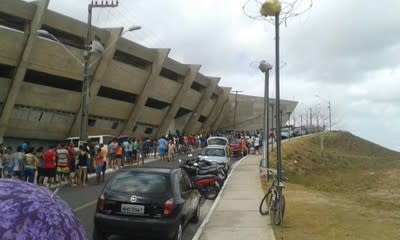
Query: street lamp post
[
  {"x": 265, "y": 68},
  {"x": 90, "y": 47},
  {"x": 329, "y": 111},
  {"x": 234, "y": 112}
]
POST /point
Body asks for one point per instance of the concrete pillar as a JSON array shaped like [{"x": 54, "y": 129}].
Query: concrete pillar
[
  {"x": 180, "y": 97},
  {"x": 221, "y": 117},
  {"x": 150, "y": 84},
  {"x": 97, "y": 80},
  {"x": 22, "y": 65},
  {"x": 215, "y": 111},
  {"x": 189, "y": 128}
]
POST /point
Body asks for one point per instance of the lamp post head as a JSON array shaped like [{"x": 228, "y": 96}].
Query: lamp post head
[
  {"x": 264, "y": 66},
  {"x": 270, "y": 8}
]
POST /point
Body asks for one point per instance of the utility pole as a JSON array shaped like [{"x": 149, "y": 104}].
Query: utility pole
[
  {"x": 310, "y": 118},
  {"x": 301, "y": 124},
  {"x": 86, "y": 70},
  {"x": 234, "y": 111},
  {"x": 330, "y": 119}
]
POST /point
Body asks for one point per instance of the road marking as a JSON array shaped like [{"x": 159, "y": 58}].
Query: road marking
[{"x": 85, "y": 206}]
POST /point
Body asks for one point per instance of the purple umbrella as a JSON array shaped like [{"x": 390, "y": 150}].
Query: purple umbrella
[{"x": 28, "y": 211}]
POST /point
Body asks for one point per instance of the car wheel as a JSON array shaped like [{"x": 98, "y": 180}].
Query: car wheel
[
  {"x": 179, "y": 232},
  {"x": 196, "y": 215},
  {"x": 98, "y": 235}
]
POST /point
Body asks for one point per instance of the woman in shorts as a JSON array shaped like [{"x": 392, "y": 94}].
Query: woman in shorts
[{"x": 82, "y": 165}]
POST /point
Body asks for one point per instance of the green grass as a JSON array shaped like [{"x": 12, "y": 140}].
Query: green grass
[{"x": 350, "y": 183}]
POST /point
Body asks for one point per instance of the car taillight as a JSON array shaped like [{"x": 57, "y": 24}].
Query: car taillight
[
  {"x": 100, "y": 203},
  {"x": 168, "y": 206}
]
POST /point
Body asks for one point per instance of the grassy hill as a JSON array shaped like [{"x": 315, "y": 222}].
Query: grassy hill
[{"x": 350, "y": 190}]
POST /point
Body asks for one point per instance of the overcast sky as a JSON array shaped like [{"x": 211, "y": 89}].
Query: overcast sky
[{"x": 343, "y": 51}]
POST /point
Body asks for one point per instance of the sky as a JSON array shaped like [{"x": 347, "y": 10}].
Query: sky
[{"x": 341, "y": 52}]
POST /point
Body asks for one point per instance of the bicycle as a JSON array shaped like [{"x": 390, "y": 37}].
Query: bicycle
[{"x": 273, "y": 202}]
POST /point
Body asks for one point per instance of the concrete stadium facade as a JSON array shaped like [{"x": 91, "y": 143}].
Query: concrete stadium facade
[{"x": 134, "y": 90}]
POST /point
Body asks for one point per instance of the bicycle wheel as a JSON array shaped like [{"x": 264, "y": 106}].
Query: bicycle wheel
[
  {"x": 280, "y": 211},
  {"x": 265, "y": 204}
]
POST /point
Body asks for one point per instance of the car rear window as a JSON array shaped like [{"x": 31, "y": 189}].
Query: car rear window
[
  {"x": 217, "y": 141},
  {"x": 216, "y": 152},
  {"x": 143, "y": 182}
]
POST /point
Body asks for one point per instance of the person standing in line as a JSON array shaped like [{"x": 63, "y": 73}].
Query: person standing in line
[
  {"x": 82, "y": 165},
  {"x": 30, "y": 164},
  {"x": 155, "y": 146},
  {"x": 40, "y": 166},
  {"x": 162, "y": 143},
  {"x": 130, "y": 150},
  {"x": 63, "y": 170},
  {"x": 50, "y": 165},
  {"x": 111, "y": 151},
  {"x": 71, "y": 162},
  {"x": 104, "y": 154},
  {"x": 125, "y": 157},
  {"x": 171, "y": 150},
  {"x": 119, "y": 151},
  {"x": 134, "y": 150},
  {"x": 18, "y": 163},
  {"x": 7, "y": 162},
  {"x": 99, "y": 159}
]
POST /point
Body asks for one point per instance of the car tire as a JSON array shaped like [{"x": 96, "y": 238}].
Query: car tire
[
  {"x": 196, "y": 215},
  {"x": 98, "y": 235},
  {"x": 178, "y": 232}
]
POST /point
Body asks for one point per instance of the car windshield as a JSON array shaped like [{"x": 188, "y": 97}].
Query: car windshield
[
  {"x": 216, "y": 152},
  {"x": 217, "y": 141},
  {"x": 143, "y": 182}
]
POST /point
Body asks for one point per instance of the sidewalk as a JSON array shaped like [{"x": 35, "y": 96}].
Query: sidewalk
[{"x": 235, "y": 215}]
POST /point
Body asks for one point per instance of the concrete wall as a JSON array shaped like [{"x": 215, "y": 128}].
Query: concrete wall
[{"x": 41, "y": 111}]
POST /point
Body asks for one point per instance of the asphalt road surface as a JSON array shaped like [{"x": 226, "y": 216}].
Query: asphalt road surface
[{"x": 83, "y": 201}]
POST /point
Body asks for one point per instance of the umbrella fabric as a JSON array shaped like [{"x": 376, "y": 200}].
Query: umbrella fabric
[{"x": 30, "y": 212}]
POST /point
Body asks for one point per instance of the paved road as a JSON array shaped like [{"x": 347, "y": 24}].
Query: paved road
[{"x": 83, "y": 202}]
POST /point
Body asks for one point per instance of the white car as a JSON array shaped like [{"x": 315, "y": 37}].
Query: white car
[{"x": 216, "y": 154}]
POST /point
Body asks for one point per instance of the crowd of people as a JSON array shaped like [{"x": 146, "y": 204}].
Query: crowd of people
[{"x": 70, "y": 164}]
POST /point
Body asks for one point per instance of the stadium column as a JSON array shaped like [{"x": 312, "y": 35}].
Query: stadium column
[
  {"x": 179, "y": 99},
  {"x": 226, "y": 106},
  {"x": 98, "y": 76},
  {"x": 22, "y": 65},
  {"x": 150, "y": 84},
  {"x": 213, "y": 115},
  {"x": 190, "y": 127}
]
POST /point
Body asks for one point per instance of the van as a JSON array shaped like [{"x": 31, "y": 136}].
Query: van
[{"x": 100, "y": 139}]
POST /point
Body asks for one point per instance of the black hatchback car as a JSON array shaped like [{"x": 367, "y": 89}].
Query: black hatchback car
[{"x": 149, "y": 203}]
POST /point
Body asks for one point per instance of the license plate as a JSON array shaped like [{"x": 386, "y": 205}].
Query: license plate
[{"x": 132, "y": 209}]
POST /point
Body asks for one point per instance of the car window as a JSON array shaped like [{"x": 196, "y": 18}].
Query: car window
[
  {"x": 216, "y": 152},
  {"x": 107, "y": 139},
  {"x": 216, "y": 141},
  {"x": 143, "y": 182}
]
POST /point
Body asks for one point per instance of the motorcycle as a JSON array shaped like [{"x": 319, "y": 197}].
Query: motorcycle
[{"x": 207, "y": 184}]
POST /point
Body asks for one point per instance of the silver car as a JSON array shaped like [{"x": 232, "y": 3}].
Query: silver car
[{"x": 217, "y": 154}]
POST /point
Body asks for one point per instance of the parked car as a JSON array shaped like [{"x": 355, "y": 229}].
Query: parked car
[
  {"x": 217, "y": 154},
  {"x": 285, "y": 133},
  {"x": 147, "y": 202}
]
